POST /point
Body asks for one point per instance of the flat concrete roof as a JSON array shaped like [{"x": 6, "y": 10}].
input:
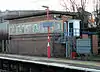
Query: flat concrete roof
[{"x": 9, "y": 15}]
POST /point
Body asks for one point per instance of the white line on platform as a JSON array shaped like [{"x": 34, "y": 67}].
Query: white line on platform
[{"x": 52, "y": 64}]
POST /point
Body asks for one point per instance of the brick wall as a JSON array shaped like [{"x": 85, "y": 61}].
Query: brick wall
[{"x": 36, "y": 46}]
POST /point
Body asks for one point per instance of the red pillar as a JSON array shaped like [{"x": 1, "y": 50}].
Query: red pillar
[
  {"x": 95, "y": 44},
  {"x": 48, "y": 46}
]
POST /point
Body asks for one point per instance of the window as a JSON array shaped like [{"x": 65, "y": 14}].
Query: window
[{"x": 71, "y": 29}]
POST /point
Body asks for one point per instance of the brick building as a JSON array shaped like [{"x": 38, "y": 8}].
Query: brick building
[{"x": 34, "y": 43}]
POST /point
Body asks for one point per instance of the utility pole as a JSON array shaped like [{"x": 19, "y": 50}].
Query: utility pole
[{"x": 48, "y": 46}]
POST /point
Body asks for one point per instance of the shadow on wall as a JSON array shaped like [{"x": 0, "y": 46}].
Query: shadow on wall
[{"x": 4, "y": 35}]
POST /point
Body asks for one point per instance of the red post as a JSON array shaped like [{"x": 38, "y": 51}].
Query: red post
[
  {"x": 47, "y": 10},
  {"x": 48, "y": 46}
]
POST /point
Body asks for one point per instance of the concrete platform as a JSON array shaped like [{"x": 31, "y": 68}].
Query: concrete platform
[{"x": 58, "y": 62}]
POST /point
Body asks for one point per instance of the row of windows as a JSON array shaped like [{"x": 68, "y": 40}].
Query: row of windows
[{"x": 32, "y": 28}]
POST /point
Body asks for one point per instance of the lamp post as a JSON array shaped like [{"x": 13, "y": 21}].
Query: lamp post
[{"x": 48, "y": 46}]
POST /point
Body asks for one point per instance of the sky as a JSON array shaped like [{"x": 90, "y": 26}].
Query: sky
[{"x": 35, "y": 5}]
